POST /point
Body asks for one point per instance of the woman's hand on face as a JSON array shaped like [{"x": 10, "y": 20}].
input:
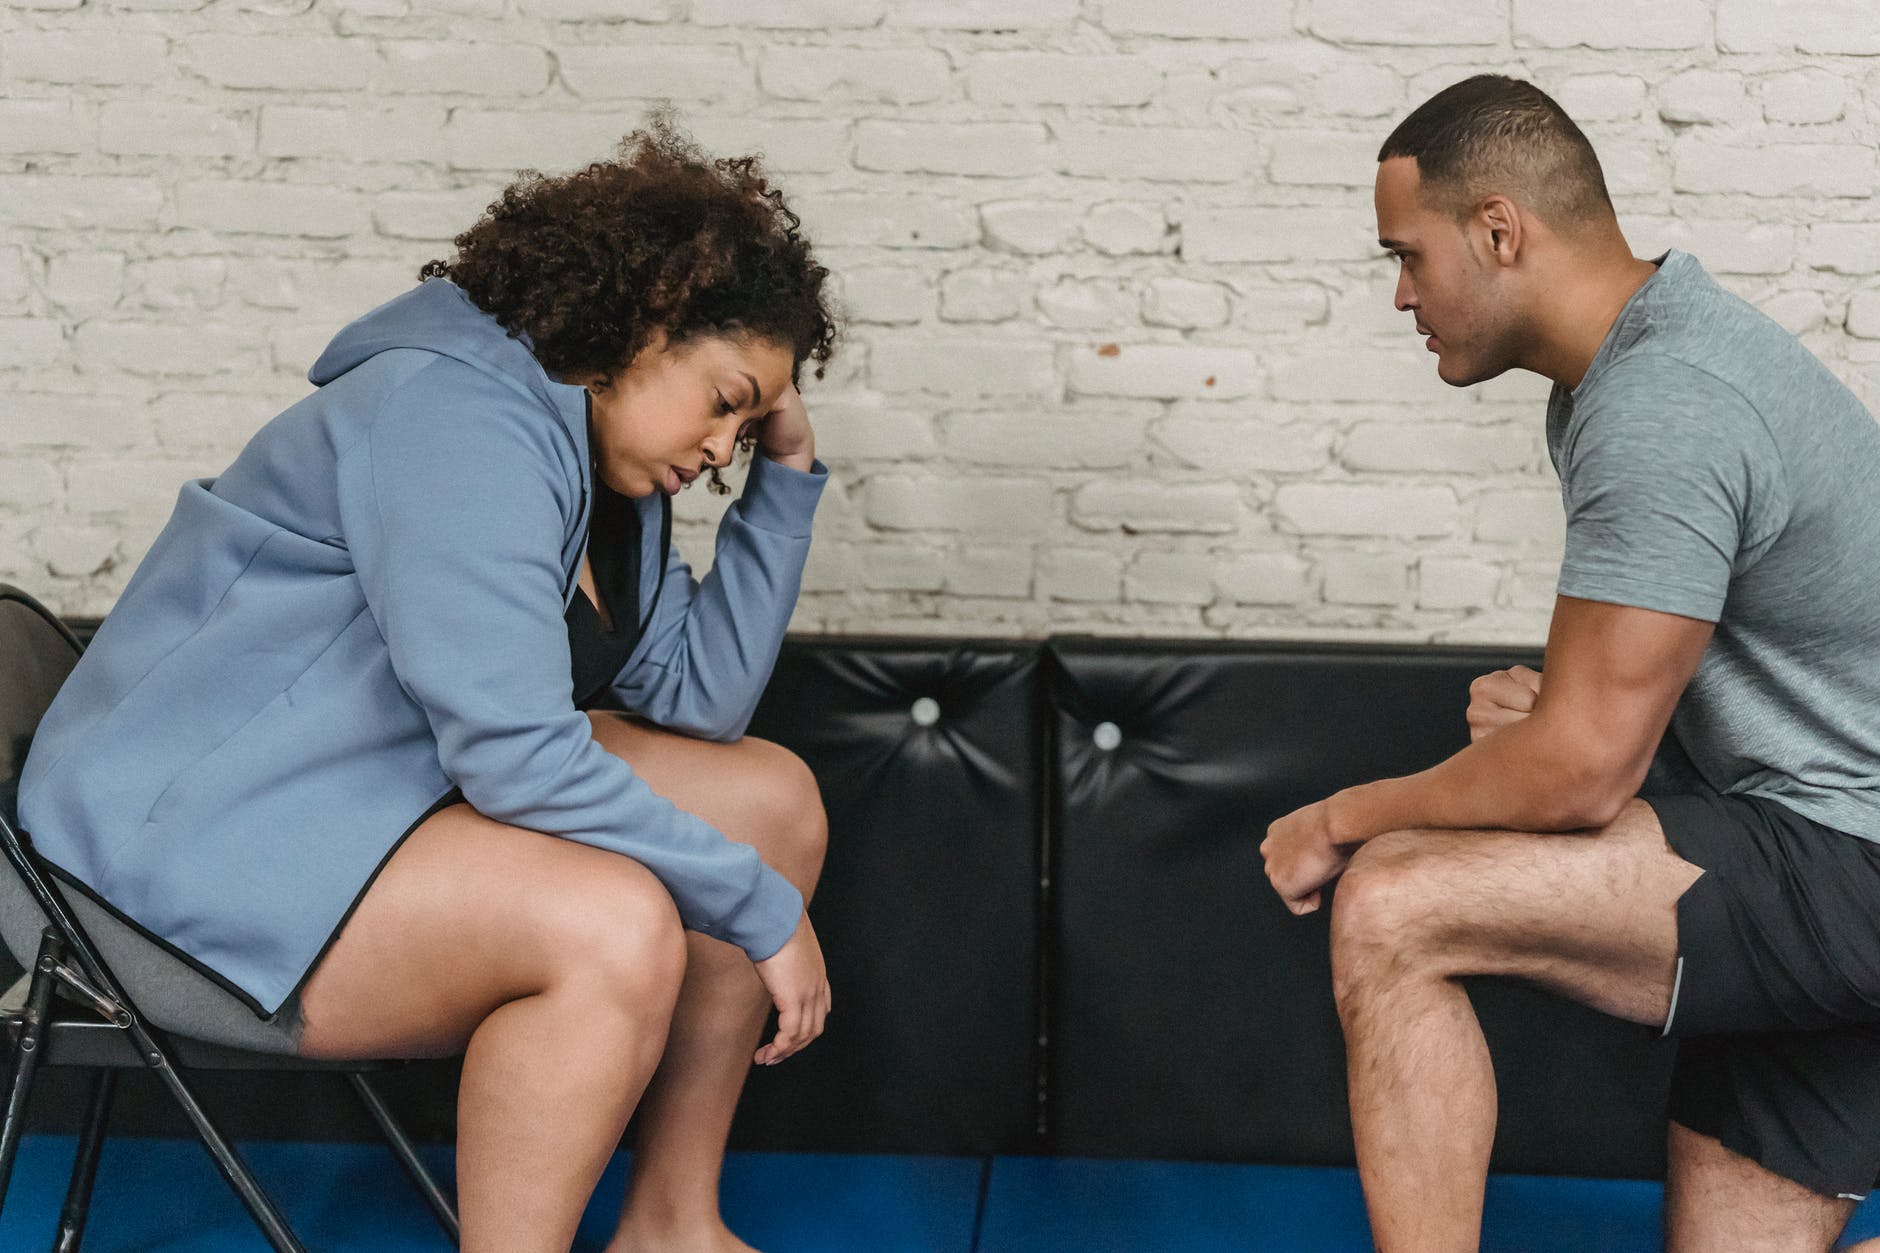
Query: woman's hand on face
[
  {"x": 799, "y": 987},
  {"x": 784, "y": 433}
]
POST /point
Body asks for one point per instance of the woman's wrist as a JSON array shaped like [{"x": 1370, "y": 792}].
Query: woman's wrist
[{"x": 801, "y": 459}]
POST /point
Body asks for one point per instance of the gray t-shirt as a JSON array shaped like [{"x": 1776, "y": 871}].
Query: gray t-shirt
[{"x": 1712, "y": 467}]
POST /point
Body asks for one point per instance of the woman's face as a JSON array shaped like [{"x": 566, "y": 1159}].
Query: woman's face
[{"x": 677, "y": 410}]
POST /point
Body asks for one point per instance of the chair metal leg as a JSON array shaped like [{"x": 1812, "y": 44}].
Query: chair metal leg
[
  {"x": 407, "y": 1155},
  {"x": 85, "y": 1165},
  {"x": 26, "y": 1053},
  {"x": 260, "y": 1206}
]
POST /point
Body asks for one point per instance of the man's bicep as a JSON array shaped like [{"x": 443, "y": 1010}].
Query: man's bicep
[
  {"x": 1614, "y": 675},
  {"x": 1670, "y": 483}
]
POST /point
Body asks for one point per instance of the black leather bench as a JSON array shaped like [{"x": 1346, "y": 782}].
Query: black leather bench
[{"x": 1047, "y": 928}]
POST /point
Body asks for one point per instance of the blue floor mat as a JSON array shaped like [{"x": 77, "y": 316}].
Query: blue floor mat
[
  {"x": 164, "y": 1196},
  {"x": 830, "y": 1203},
  {"x": 1047, "y": 1204},
  {"x": 1044, "y": 1205}
]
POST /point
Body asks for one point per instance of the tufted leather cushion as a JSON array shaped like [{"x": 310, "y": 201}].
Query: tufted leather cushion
[
  {"x": 1190, "y": 1015},
  {"x": 929, "y": 761}
]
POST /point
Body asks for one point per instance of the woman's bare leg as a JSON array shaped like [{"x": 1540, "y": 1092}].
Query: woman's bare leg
[
  {"x": 763, "y": 795},
  {"x": 554, "y": 967}
]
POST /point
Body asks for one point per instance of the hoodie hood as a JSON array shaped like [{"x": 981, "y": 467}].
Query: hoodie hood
[{"x": 438, "y": 316}]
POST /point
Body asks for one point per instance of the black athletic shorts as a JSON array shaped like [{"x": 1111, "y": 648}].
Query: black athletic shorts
[{"x": 1776, "y": 997}]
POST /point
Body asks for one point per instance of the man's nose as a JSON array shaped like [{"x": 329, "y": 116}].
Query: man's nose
[{"x": 1406, "y": 297}]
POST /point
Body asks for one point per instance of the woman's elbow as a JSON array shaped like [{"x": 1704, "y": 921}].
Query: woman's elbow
[
  {"x": 726, "y": 730},
  {"x": 719, "y": 721}
]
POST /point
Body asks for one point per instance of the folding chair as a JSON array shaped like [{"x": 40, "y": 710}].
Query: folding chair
[{"x": 74, "y": 1012}]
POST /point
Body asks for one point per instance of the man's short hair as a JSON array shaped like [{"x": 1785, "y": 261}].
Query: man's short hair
[{"x": 1493, "y": 134}]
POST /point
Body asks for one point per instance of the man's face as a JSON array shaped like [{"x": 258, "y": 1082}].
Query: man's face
[{"x": 1446, "y": 278}]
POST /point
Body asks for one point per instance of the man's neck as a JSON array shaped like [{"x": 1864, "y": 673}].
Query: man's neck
[{"x": 1580, "y": 310}]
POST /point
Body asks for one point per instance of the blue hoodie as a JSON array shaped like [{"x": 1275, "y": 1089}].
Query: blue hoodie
[{"x": 366, "y": 611}]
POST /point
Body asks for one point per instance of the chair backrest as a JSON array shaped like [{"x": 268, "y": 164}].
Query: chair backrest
[{"x": 37, "y": 652}]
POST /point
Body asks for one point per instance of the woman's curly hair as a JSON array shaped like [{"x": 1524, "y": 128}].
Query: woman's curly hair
[{"x": 592, "y": 265}]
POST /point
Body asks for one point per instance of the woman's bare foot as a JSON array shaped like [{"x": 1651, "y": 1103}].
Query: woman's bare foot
[{"x": 714, "y": 1238}]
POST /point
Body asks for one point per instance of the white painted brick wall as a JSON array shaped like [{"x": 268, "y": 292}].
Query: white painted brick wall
[
  {"x": 1262, "y": 578},
  {"x": 1087, "y": 574},
  {"x": 1804, "y": 96},
  {"x": 1378, "y": 579},
  {"x": 1120, "y": 355},
  {"x": 1667, "y": 24},
  {"x": 103, "y": 58}
]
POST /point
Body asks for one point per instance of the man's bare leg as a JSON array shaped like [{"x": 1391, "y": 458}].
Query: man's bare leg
[
  {"x": 1590, "y": 916},
  {"x": 761, "y": 794},
  {"x": 1717, "y": 1201}
]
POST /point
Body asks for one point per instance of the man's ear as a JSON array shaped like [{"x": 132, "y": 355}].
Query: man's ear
[{"x": 1501, "y": 226}]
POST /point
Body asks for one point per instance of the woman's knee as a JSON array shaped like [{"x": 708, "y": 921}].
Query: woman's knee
[
  {"x": 756, "y": 792},
  {"x": 786, "y": 795},
  {"x": 613, "y": 929}
]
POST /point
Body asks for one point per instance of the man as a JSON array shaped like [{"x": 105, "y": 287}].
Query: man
[{"x": 1718, "y": 622}]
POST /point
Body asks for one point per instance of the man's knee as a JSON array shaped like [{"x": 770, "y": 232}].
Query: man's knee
[{"x": 1384, "y": 911}]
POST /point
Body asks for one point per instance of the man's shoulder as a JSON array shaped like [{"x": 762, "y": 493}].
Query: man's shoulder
[
  {"x": 1696, "y": 337},
  {"x": 1658, "y": 408},
  {"x": 1662, "y": 381}
]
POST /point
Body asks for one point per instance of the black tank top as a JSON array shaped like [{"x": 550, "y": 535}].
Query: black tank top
[{"x": 596, "y": 655}]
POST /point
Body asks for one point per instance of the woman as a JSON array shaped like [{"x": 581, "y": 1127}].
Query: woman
[{"x": 327, "y": 757}]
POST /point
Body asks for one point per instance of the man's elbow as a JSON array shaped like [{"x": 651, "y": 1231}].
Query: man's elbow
[
  {"x": 1592, "y": 795},
  {"x": 1590, "y": 811}
]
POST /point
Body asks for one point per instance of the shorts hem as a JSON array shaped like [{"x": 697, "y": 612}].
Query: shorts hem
[
  {"x": 1671, "y": 1010},
  {"x": 1739, "y": 1141}
]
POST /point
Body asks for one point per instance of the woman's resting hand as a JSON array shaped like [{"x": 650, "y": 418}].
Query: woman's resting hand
[{"x": 799, "y": 987}]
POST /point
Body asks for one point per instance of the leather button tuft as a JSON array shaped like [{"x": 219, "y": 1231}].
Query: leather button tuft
[
  {"x": 926, "y": 711},
  {"x": 1106, "y": 736}
]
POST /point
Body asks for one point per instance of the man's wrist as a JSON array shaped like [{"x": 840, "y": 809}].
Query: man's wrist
[{"x": 1362, "y": 812}]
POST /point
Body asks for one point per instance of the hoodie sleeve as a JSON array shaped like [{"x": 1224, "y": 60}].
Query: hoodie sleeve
[
  {"x": 708, "y": 652},
  {"x": 454, "y": 506}
]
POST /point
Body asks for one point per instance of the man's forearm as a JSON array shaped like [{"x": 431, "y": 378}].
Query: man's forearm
[{"x": 1524, "y": 777}]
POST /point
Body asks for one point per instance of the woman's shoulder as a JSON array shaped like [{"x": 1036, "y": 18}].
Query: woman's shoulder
[{"x": 432, "y": 405}]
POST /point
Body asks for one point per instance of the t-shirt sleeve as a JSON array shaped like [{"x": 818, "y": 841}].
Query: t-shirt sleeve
[{"x": 1672, "y": 486}]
